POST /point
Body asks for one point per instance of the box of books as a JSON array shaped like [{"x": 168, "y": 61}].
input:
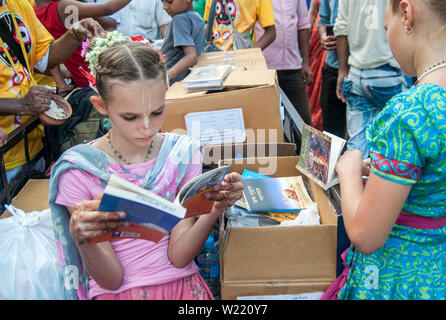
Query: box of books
[
  {"x": 246, "y": 111},
  {"x": 280, "y": 242}
]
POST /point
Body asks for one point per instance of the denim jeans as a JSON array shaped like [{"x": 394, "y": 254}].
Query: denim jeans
[{"x": 367, "y": 92}]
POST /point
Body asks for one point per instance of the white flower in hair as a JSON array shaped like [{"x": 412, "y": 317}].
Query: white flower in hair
[{"x": 91, "y": 49}]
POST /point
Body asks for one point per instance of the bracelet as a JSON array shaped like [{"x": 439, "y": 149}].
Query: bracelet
[{"x": 74, "y": 35}]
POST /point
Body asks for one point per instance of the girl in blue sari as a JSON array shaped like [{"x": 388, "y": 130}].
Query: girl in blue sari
[
  {"x": 397, "y": 224},
  {"x": 131, "y": 82}
]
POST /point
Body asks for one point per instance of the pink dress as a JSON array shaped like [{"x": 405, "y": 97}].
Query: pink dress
[{"x": 148, "y": 272}]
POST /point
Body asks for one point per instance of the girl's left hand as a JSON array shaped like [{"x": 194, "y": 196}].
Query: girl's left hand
[{"x": 226, "y": 193}]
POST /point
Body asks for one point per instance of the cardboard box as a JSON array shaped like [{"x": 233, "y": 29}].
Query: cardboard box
[
  {"x": 212, "y": 154},
  {"x": 278, "y": 260},
  {"x": 32, "y": 197},
  {"x": 254, "y": 91},
  {"x": 244, "y": 59}
]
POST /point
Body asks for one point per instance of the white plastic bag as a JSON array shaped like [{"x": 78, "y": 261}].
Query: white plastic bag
[{"x": 29, "y": 263}]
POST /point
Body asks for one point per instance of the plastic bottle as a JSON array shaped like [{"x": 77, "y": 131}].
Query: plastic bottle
[{"x": 209, "y": 263}]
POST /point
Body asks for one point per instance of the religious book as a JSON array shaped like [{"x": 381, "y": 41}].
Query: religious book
[
  {"x": 318, "y": 156},
  {"x": 210, "y": 77},
  {"x": 151, "y": 216},
  {"x": 284, "y": 194}
]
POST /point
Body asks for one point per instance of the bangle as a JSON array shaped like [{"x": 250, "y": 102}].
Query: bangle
[{"x": 74, "y": 35}]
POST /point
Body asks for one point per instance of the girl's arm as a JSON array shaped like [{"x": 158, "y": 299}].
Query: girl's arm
[
  {"x": 187, "y": 237},
  {"x": 88, "y": 10},
  {"x": 188, "y": 61},
  {"x": 369, "y": 214},
  {"x": 100, "y": 259}
]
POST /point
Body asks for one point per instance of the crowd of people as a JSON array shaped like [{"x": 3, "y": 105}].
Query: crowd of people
[{"x": 370, "y": 71}]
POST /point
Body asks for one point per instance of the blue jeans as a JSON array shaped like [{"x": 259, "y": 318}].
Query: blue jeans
[{"x": 367, "y": 92}]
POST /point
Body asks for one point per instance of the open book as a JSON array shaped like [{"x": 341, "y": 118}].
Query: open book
[
  {"x": 151, "y": 216},
  {"x": 318, "y": 156},
  {"x": 209, "y": 77}
]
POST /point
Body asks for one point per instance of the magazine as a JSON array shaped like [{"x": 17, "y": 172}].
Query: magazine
[
  {"x": 318, "y": 156},
  {"x": 151, "y": 216},
  {"x": 285, "y": 194}
]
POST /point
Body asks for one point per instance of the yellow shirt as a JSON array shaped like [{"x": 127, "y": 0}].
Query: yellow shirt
[
  {"x": 37, "y": 41},
  {"x": 244, "y": 14}
]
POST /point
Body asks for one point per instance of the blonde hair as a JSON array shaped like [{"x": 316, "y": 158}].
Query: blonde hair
[{"x": 127, "y": 61}]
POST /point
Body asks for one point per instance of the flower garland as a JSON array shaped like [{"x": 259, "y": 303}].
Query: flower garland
[{"x": 92, "y": 48}]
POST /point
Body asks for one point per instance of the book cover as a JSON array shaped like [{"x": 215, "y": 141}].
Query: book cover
[
  {"x": 319, "y": 154},
  {"x": 191, "y": 196},
  {"x": 151, "y": 216},
  {"x": 286, "y": 194}
]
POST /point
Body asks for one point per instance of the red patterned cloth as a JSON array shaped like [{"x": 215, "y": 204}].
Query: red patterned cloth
[{"x": 317, "y": 56}]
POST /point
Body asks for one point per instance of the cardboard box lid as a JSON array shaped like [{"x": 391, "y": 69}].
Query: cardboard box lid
[
  {"x": 33, "y": 196},
  {"x": 237, "y": 79},
  {"x": 298, "y": 253},
  {"x": 244, "y": 59}
]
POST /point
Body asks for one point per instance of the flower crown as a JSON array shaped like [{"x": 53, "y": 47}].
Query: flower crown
[{"x": 91, "y": 49}]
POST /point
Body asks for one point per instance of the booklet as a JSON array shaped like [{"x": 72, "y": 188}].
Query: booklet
[
  {"x": 151, "y": 216},
  {"x": 285, "y": 194},
  {"x": 318, "y": 156},
  {"x": 209, "y": 77}
]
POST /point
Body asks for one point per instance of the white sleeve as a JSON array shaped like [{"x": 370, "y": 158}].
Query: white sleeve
[
  {"x": 341, "y": 25},
  {"x": 42, "y": 64}
]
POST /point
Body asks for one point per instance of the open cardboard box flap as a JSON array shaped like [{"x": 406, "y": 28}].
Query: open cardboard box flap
[
  {"x": 237, "y": 79},
  {"x": 280, "y": 254},
  {"x": 243, "y": 59}
]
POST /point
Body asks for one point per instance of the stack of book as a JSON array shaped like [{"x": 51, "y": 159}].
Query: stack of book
[{"x": 206, "y": 78}]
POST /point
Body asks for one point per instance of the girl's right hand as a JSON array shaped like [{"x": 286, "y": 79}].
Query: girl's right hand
[{"x": 87, "y": 222}]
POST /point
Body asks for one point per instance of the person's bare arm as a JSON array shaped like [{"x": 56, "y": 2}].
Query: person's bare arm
[
  {"x": 342, "y": 51},
  {"x": 188, "y": 61},
  {"x": 303, "y": 38},
  {"x": 100, "y": 259},
  {"x": 268, "y": 37}
]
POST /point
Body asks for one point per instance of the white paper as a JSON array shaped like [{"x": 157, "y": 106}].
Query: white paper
[
  {"x": 215, "y": 127},
  {"x": 301, "y": 296}
]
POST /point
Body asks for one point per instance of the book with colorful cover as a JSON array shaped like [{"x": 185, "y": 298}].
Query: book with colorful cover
[
  {"x": 151, "y": 216},
  {"x": 285, "y": 194},
  {"x": 318, "y": 156}
]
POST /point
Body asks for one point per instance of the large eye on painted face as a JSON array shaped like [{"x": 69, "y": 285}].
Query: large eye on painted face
[
  {"x": 231, "y": 10},
  {"x": 218, "y": 8}
]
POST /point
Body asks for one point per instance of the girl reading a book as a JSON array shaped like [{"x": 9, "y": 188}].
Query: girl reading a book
[
  {"x": 131, "y": 82},
  {"x": 397, "y": 224}
]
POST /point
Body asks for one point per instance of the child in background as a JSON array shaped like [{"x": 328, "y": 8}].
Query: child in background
[
  {"x": 184, "y": 39},
  {"x": 397, "y": 224},
  {"x": 131, "y": 81}
]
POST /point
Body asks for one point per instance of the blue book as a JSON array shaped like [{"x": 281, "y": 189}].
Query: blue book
[
  {"x": 249, "y": 174},
  {"x": 286, "y": 194}
]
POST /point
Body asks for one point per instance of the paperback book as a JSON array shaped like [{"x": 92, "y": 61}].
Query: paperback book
[
  {"x": 318, "y": 156},
  {"x": 151, "y": 216},
  {"x": 285, "y": 194}
]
